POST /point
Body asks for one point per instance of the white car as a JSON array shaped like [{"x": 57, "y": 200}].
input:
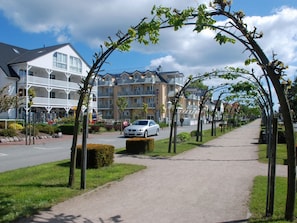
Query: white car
[{"x": 142, "y": 128}]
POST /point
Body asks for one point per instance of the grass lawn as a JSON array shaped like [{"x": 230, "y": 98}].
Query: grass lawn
[
  {"x": 25, "y": 191},
  {"x": 161, "y": 146},
  {"x": 258, "y": 197},
  {"x": 258, "y": 200},
  {"x": 281, "y": 153}
]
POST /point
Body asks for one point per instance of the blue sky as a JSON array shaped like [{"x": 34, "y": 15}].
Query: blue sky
[{"x": 86, "y": 24}]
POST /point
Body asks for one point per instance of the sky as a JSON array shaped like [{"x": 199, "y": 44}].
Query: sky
[{"x": 87, "y": 24}]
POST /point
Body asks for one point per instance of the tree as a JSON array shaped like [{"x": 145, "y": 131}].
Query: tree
[
  {"x": 145, "y": 109},
  {"x": 198, "y": 84},
  {"x": 237, "y": 30},
  {"x": 7, "y": 101},
  {"x": 122, "y": 105}
]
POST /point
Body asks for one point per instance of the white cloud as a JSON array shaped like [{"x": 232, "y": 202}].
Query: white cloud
[{"x": 92, "y": 21}]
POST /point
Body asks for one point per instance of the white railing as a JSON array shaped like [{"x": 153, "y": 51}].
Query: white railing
[
  {"x": 55, "y": 102},
  {"x": 52, "y": 82}
]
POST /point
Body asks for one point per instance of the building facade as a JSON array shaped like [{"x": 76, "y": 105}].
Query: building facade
[
  {"x": 152, "y": 88},
  {"x": 53, "y": 73}
]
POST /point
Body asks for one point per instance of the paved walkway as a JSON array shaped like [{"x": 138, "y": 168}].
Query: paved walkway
[{"x": 211, "y": 184}]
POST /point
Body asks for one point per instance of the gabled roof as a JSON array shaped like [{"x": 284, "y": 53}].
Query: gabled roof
[
  {"x": 33, "y": 54},
  {"x": 10, "y": 54}
]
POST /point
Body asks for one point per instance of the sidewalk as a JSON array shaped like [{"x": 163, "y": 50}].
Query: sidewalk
[{"x": 209, "y": 184}]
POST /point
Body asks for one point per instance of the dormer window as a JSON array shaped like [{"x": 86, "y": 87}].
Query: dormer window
[
  {"x": 15, "y": 50},
  {"x": 75, "y": 64},
  {"x": 60, "y": 60}
]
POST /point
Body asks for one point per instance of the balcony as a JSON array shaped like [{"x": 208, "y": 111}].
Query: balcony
[
  {"x": 139, "y": 93},
  {"x": 135, "y": 81},
  {"x": 40, "y": 81},
  {"x": 57, "y": 102}
]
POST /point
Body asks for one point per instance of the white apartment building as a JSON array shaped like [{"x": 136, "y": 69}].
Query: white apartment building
[{"x": 53, "y": 73}]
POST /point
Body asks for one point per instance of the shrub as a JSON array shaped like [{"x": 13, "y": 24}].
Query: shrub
[
  {"x": 140, "y": 145},
  {"x": 163, "y": 125},
  {"x": 98, "y": 155},
  {"x": 67, "y": 120},
  {"x": 183, "y": 136},
  {"x": 193, "y": 133},
  {"x": 15, "y": 126},
  {"x": 34, "y": 131},
  {"x": 8, "y": 132},
  {"x": 94, "y": 128},
  {"x": 67, "y": 129},
  {"x": 108, "y": 127},
  {"x": 48, "y": 129}
]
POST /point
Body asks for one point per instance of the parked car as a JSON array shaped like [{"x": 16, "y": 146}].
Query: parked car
[{"x": 142, "y": 128}]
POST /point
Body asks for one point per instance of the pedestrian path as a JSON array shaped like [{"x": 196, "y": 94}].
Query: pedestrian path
[{"x": 208, "y": 184}]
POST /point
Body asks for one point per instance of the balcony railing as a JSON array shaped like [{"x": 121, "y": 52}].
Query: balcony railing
[
  {"x": 57, "y": 102},
  {"x": 137, "y": 93},
  {"x": 135, "y": 81},
  {"x": 40, "y": 81}
]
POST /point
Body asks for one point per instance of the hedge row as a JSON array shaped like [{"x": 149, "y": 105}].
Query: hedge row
[
  {"x": 98, "y": 155},
  {"x": 139, "y": 145}
]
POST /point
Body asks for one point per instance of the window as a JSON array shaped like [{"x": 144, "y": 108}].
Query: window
[
  {"x": 60, "y": 60},
  {"x": 52, "y": 94},
  {"x": 52, "y": 76},
  {"x": 75, "y": 64}
]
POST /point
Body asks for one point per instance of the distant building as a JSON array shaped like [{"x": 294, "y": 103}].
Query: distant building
[
  {"x": 53, "y": 73},
  {"x": 150, "y": 87}
]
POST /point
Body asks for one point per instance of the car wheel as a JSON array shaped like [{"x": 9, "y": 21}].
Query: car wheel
[
  {"x": 145, "y": 134},
  {"x": 157, "y": 132}
]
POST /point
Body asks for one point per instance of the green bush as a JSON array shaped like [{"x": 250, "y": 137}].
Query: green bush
[
  {"x": 163, "y": 125},
  {"x": 183, "y": 136},
  {"x": 48, "y": 129},
  {"x": 67, "y": 129},
  {"x": 98, "y": 155},
  {"x": 15, "y": 126},
  {"x": 8, "y": 132},
  {"x": 30, "y": 128},
  {"x": 140, "y": 145},
  {"x": 67, "y": 120},
  {"x": 193, "y": 133}
]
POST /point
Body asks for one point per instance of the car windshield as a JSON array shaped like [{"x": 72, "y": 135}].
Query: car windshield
[{"x": 141, "y": 122}]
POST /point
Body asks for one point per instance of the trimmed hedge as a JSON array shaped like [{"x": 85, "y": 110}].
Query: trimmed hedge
[
  {"x": 98, "y": 155},
  {"x": 140, "y": 145},
  {"x": 67, "y": 129}
]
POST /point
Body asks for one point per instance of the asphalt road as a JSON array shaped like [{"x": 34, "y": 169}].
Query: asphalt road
[{"x": 18, "y": 156}]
